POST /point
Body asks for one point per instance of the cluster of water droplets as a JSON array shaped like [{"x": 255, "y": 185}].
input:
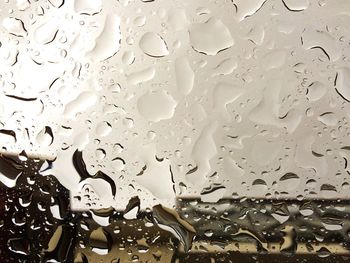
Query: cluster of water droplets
[{"x": 160, "y": 99}]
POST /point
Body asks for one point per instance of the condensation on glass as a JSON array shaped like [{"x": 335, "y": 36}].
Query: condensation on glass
[{"x": 178, "y": 109}]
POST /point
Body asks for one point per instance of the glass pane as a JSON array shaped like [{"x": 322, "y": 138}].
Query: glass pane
[{"x": 174, "y": 131}]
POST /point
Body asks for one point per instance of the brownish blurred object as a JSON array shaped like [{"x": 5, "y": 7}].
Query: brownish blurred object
[{"x": 231, "y": 230}]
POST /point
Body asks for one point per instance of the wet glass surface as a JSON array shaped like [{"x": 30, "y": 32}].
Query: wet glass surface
[{"x": 174, "y": 131}]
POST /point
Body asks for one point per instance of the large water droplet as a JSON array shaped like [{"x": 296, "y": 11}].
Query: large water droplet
[
  {"x": 153, "y": 45},
  {"x": 210, "y": 37},
  {"x": 156, "y": 105}
]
